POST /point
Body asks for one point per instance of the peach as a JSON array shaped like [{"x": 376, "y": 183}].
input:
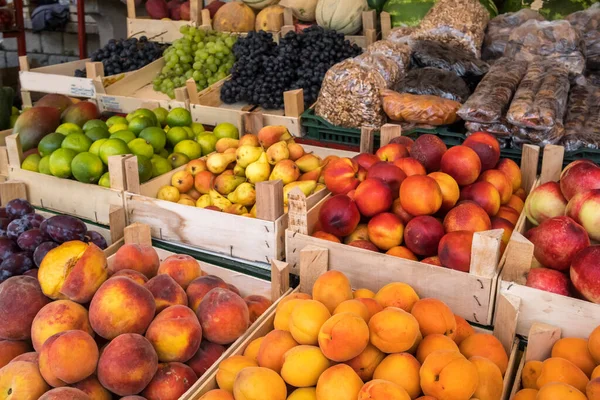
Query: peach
[
  {"x": 404, "y": 140},
  {"x": 273, "y": 348},
  {"x": 74, "y": 270},
  {"x": 108, "y": 316},
  {"x": 224, "y": 316},
  {"x": 372, "y": 306},
  {"x": 584, "y": 273},
  {"x": 363, "y": 294},
  {"x": 463, "y": 329},
  {"x": 512, "y": 171},
  {"x": 385, "y": 231},
  {"x": 341, "y": 176},
  {"x": 531, "y": 372},
  {"x": 229, "y": 368},
  {"x": 397, "y": 294},
  {"x": 526, "y": 394},
  {"x": 22, "y": 380},
  {"x": 467, "y": 216},
  {"x": 373, "y": 196},
  {"x": 422, "y": 235},
  {"x": 391, "y": 152},
  {"x": 420, "y": 195},
  {"x": 449, "y": 188},
  {"x": 253, "y": 347},
  {"x": 435, "y": 260},
  {"x": 31, "y": 357},
  {"x": 131, "y": 274},
  {"x": 339, "y": 215},
  {"x": 428, "y": 150},
  {"x": 217, "y": 394},
  {"x": 520, "y": 193},
  {"x": 487, "y": 148},
  {"x": 560, "y": 391},
  {"x": 402, "y": 252},
  {"x": 204, "y": 181},
  {"x": 20, "y": 300},
  {"x": 454, "y": 250},
  {"x": 382, "y": 390},
  {"x": 461, "y": 163},
  {"x": 68, "y": 357},
  {"x": 65, "y": 393},
  {"x": 257, "y": 305},
  {"x": 198, "y": 288},
  {"x": 127, "y": 364},
  {"x": 491, "y": 383},
  {"x": 516, "y": 203},
  {"x": 92, "y": 387},
  {"x": 141, "y": 258},
  {"x": 583, "y": 209},
  {"x": 592, "y": 389},
  {"x": 410, "y": 166},
  {"x": 364, "y": 244},
  {"x": 485, "y": 345},
  {"x": 401, "y": 369},
  {"x": 171, "y": 381},
  {"x": 544, "y": 202},
  {"x": 576, "y": 351},
  {"x": 484, "y": 194},
  {"x": 400, "y": 212},
  {"x": 393, "y": 330},
  {"x": 360, "y": 233},
  {"x": 326, "y": 236},
  {"x": 303, "y": 365},
  {"x": 366, "y": 362},
  {"x": 339, "y": 382},
  {"x": 58, "y": 316},
  {"x": 447, "y": 374},
  {"x": 432, "y": 343},
  {"x": 205, "y": 357},
  {"x": 509, "y": 214},
  {"x": 183, "y": 268},
  {"x": 390, "y": 174},
  {"x": 332, "y": 288},
  {"x": 500, "y": 181},
  {"x": 343, "y": 336},
  {"x": 507, "y": 226},
  {"x": 166, "y": 292},
  {"x": 579, "y": 178},
  {"x": 175, "y": 334},
  {"x": 548, "y": 280},
  {"x": 594, "y": 346},
  {"x": 557, "y": 241},
  {"x": 366, "y": 160},
  {"x": 434, "y": 316},
  {"x": 306, "y": 319},
  {"x": 10, "y": 349}
]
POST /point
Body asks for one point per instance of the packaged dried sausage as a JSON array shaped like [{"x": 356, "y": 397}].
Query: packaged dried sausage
[
  {"x": 419, "y": 109},
  {"x": 588, "y": 23},
  {"x": 428, "y": 53},
  {"x": 436, "y": 82},
  {"x": 582, "y": 122}
]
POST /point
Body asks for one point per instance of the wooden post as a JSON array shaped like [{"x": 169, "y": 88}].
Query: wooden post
[
  {"x": 253, "y": 122},
  {"x": 269, "y": 200},
  {"x": 15, "y": 151},
  {"x": 181, "y": 94},
  {"x": 552, "y": 163},
  {"x": 519, "y": 255},
  {"x": 132, "y": 177},
  {"x": 94, "y": 69},
  {"x": 25, "y": 95},
  {"x": 529, "y": 166},
  {"x": 297, "y": 212},
  {"x": 485, "y": 253},
  {"x": 287, "y": 28},
  {"x": 293, "y": 101},
  {"x": 151, "y": 104},
  {"x": 195, "y": 9},
  {"x": 371, "y": 36},
  {"x": 507, "y": 315},
  {"x": 131, "y": 9},
  {"x": 386, "y": 24},
  {"x": 117, "y": 223},
  {"x": 288, "y": 17},
  {"x": 192, "y": 91},
  {"x": 117, "y": 171},
  {"x": 369, "y": 20},
  {"x": 205, "y": 18},
  {"x": 367, "y": 136},
  {"x": 280, "y": 279},
  {"x": 540, "y": 341},
  {"x": 389, "y": 132},
  {"x": 138, "y": 234},
  {"x": 11, "y": 190},
  {"x": 314, "y": 262},
  {"x": 274, "y": 22}
]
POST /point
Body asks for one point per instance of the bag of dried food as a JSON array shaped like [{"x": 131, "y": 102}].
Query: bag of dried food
[
  {"x": 398, "y": 52},
  {"x": 582, "y": 122},
  {"x": 387, "y": 67},
  {"x": 429, "y": 53},
  {"x": 588, "y": 23},
  {"x": 500, "y": 129},
  {"x": 419, "y": 109},
  {"x": 557, "y": 40},
  {"x": 401, "y": 35},
  {"x": 458, "y": 22},
  {"x": 435, "y": 82},
  {"x": 550, "y": 9},
  {"x": 491, "y": 99},
  {"x": 538, "y": 137},
  {"x": 350, "y": 96},
  {"x": 499, "y": 29}
]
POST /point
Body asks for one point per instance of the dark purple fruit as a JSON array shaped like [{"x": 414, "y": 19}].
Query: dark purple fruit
[
  {"x": 16, "y": 264},
  {"x": 7, "y": 248},
  {"x": 31, "y": 239},
  {"x": 18, "y": 207},
  {"x": 3, "y": 226},
  {"x": 3, "y": 213},
  {"x": 63, "y": 228},
  {"x": 97, "y": 239},
  {"x": 16, "y": 227},
  {"x": 41, "y": 251},
  {"x": 35, "y": 219}
]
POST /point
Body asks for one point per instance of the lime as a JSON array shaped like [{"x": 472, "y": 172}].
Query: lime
[
  {"x": 197, "y": 128},
  {"x": 156, "y": 137},
  {"x": 97, "y": 133},
  {"x": 49, "y": 143},
  {"x": 95, "y": 147},
  {"x": 160, "y": 166},
  {"x": 207, "y": 142},
  {"x": 31, "y": 162},
  {"x": 60, "y": 162},
  {"x": 77, "y": 142},
  {"x": 163, "y": 153},
  {"x": 226, "y": 130},
  {"x": 161, "y": 115},
  {"x": 176, "y": 135},
  {"x": 139, "y": 123},
  {"x": 179, "y": 117},
  {"x": 87, "y": 167},
  {"x": 118, "y": 127},
  {"x": 13, "y": 120},
  {"x": 94, "y": 123},
  {"x": 112, "y": 147},
  {"x": 144, "y": 168},
  {"x": 14, "y": 111},
  {"x": 104, "y": 180},
  {"x": 140, "y": 147},
  {"x": 190, "y": 148},
  {"x": 44, "y": 166},
  {"x": 189, "y": 131},
  {"x": 144, "y": 112},
  {"x": 178, "y": 159},
  {"x": 68, "y": 127},
  {"x": 116, "y": 120},
  {"x": 126, "y": 136}
]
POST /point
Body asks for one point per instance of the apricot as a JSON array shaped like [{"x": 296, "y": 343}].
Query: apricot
[
  {"x": 339, "y": 382},
  {"x": 366, "y": 362},
  {"x": 303, "y": 394},
  {"x": 10, "y": 349},
  {"x": 557, "y": 369},
  {"x": 229, "y": 368},
  {"x": 467, "y": 216},
  {"x": 420, "y": 195},
  {"x": 487, "y": 148},
  {"x": 462, "y": 164},
  {"x": 434, "y": 316},
  {"x": 65, "y": 393},
  {"x": 343, "y": 336},
  {"x": 331, "y": 289},
  {"x": 483, "y": 193},
  {"x": 372, "y": 306},
  {"x": 303, "y": 365},
  {"x": 217, "y": 394},
  {"x": 251, "y": 350},
  {"x": 20, "y": 300},
  {"x": 92, "y": 387},
  {"x": 592, "y": 389},
  {"x": 397, "y": 294},
  {"x": 363, "y": 294},
  {"x": 256, "y": 383},
  {"x": 68, "y": 357},
  {"x": 223, "y": 315},
  {"x": 526, "y": 394},
  {"x": 257, "y": 305},
  {"x": 463, "y": 329},
  {"x": 402, "y": 252},
  {"x": 594, "y": 344},
  {"x": 509, "y": 214},
  {"x": 205, "y": 357},
  {"x": 401, "y": 369},
  {"x": 175, "y": 334},
  {"x": 293, "y": 296},
  {"x": 435, "y": 260},
  {"x": 500, "y": 181},
  {"x": 141, "y": 258},
  {"x": 273, "y": 348},
  {"x": 595, "y": 372},
  {"x": 491, "y": 383},
  {"x": 531, "y": 372},
  {"x": 379, "y": 389},
  {"x": 306, "y": 320},
  {"x": 559, "y": 391},
  {"x": 22, "y": 380},
  {"x": 198, "y": 288},
  {"x": 450, "y": 190},
  {"x": 454, "y": 250},
  {"x": 576, "y": 351},
  {"x": 512, "y": 171},
  {"x": 447, "y": 374},
  {"x": 283, "y": 313},
  {"x": 354, "y": 306},
  {"x": 131, "y": 274},
  {"x": 432, "y": 343},
  {"x": 485, "y": 345},
  {"x": 393, "y": 330}
]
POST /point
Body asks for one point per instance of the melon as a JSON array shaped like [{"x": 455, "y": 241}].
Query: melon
[
  {"x": 407, "y": 12},
  {"x": 551, "y": 9},
  {"x": 260, "y": 4},
  {"x": 274, "y": 13},
  {"x": 234, "y": 17},
  {"x": 304, "y": 10},
  {"x": 344, "y": 16}
]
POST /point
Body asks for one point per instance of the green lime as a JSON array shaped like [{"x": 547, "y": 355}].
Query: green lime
[
  {"x": 140, "y": 147},
  {"x": 161, "y": 115},
  {"x": 190, "y": 148},
  {"x": 104, "y": 180},
  {"x": 60, "y": 162},
  {"x": 87, "y": 167},
  {"x": 160, "y": 166},
  {"x": 208, "y": 143},
  {"x": 189, "y": 131},
  {"x": 49, "y": 143},
  {"x": 178, "y": 159},
  {"x": 144, "y": 112},
  {"x": 94, "y": 123},
  {"x": 77, "y": 142},
  {"x": 117, "y": 119},
  {"x": 117, "y": 128},
  {"x": 13, "y": 120},
  {"x": 139, "y": 123},
  {"x": 144, "y": 168},
  {"x": 197, "y": 128},
  {"x": 97, "y": 133},
  {"x": 14, "y": 111},
  {"x": 112, "y": 147},
  {"x": 31, "y": 162},
  {"x": 44, "y": 166},
  {"x": 163, "y": 153},
  {"x": 176, "y": 135},
  {"x": 156, "y": 137},
  {"x": 226, "y": 130},
  {"x": 95, "y": 147},
  {"x": 126, "y": 136},
  {"x": 68, "y": 128},
  {"x": 179, "y": 117}
]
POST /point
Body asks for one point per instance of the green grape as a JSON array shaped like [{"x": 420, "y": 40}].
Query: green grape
[
  {"x": 180, "y": 53},
  {"x": 211, "y": 81},
  {"x": 192, "y": 30},
  {"x": 204, "y": 55},
  {"x": 201, "y": 45},
  {"x": 178, "y": 45},
  {"x": 189, "y": 74},
  {"x": 197, "y": 66},
  {"x": 210, "y": 60},
  {"x": 178, "y": 70},
  {"x": 213, "y": 67},
  {"x": 184, "y": 29},
  {"x": 171, "y": 93},
  {"x": 185, "y": 59},
  {"x": 220, "y": 55},
  {"x": 208, "y": 73},
  {"x": 166, "y": 69},
  {"x": 196, "y": 75}
]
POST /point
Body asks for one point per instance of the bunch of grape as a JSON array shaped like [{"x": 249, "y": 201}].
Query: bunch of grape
[
  {"x": 265, "y": 70},
  {"x": 122, "y": 55},
  {"x": 203, "y": 55}
]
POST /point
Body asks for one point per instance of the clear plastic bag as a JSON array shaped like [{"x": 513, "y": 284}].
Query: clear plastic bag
[
  {"x": 491, "y": 99},
  {"x": 538, "y": 137},
  {"x": 387, "y": 67},
  {"x": 499, "y": 29},
  {"x": 588, "y": 23},
  {"x": 499, "y": 129},
  {"x": 428, "y": 53},
  {"x": 419, "y": 109},
  {"x": 557, "y": 40},
  {"x": 582, "y": 122},
  {"x": 401, "y": 35},
  {"x": 435, "y": 82},
  {"x": 398, "y": 52}
]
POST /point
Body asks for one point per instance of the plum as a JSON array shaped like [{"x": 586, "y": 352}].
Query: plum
[
  {"x": 35, "y": 219},
  {"x": 7, "y": 248},
  {"x": 15, "y": 264},
  {"x": 16, "y": 227},
  {"x": 31, "y": 239},
  {"x": 63, "y": 228},
  {"x": 97, "y": 239},
  {"x": 3, "y": 213},
  {"x": 3, "y": 225},
  {"x": 42, "y": 250},
  {"x": 18, "y": 207}
]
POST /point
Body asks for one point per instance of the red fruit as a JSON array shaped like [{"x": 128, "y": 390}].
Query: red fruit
[
  {"x": 428, "y": 150},
  {"x": 578, "y": 178},
  {"x": 341, "y": 176},
  {"x": 422, "y": 235},
  {"x": 185, "y": 11},
  {"x": 487, "y": 148},
  {"x": 404, "y": 140},
  {"x": 391, "y": 152},
  {"x": 388, "y": 173},
  {"x": 585, "y": 273},
  {"x": 461, "y": 163},
  {"x": 339, "y": 216},
  {"x": 373, "y": 197},
  {"x": 366, "y": 160},
  {"x": 454, "y": 250},
  {"x": 364, "y": 244},
  {"x": 157, "y": 9},
  {"x": 548, "y": 280}
]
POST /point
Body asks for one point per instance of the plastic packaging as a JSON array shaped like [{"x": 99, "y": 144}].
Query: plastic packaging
[
  {"x": 500, "y": 129},
  {"x": 435, "y": 82},
  {"x": 419, "y": 109},
  {"x": 499, "y": 29},
  {"x": 491, "y": 99},
  {"x": 538, "y": 137},
  {"x": 398, "y": 52},
  {"x": 588, "y": 23},
  {"x": 556, "y": 40},
  {"x": 401, "y": 35},
  {"x": 387, "y": 67},
  {"x": 427, "y": 53},
  {"x": 582, "y": 122}
]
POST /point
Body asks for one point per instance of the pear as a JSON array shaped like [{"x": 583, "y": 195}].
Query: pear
[
  {"x": 286, "y": 170},
  {"x": 269, "y": 135},
  {"x": 217, "y": 162},
  {"x": 259, "y": 170},
  {"x": 236, "y": 209},
  {"x": 226, "y": 143},
  {"x": 307, "y": 187},
  {"x": 246, "y": 155},
  {"x": 278, "y": 152},
  {"x": 203, "y": 201},
  {"x": 249, "y": 140},
  {"x": 227, "y": 183},
  {"x": 308, "y": 162},
  {"x": 217, "y": 200},
  {"x": 312, "y": 175},
  {"x": 245, "y": 194},
  {"x": 320, "y": 186},
  {"x": 296, "y": 151},
  {"x": 248, "y": 215},
  {"x": 239, "y": 171},
  {"x": 253, "y": 211}
]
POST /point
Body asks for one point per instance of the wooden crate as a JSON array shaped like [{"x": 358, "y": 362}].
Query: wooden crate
[
  {"x": 248, "y": 285},
  {"x": 572, "y": 315},
  {"x": 475, "y": 298},
  {"x": 83, "y": 200},
  {"x": 314, "y": 262},
  {"x": 165, "y": 31},
  {"x": 4, "y": 153}
]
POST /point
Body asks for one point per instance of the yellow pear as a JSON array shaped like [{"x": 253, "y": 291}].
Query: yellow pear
[
  {"x": 239, "y": 171},
  {"x": 226, "y": 183},
  {"x": 236, "y": 209},
  {"x": 278, "y": 152},
  {"x": 217, "y": 200},
  {"x": 253, "y": 211},
  {"x": 307, "y": 187},
  {"x": 296, "y": 150},
  {"x": 248, "y": 215},
  {"x": 286, "y": 170},
  {"x": 226, "y": 143},
  {"x": 308, "y": 162},
  {"x": 245, "y": 194},
  {"x": 259, "y": 170},
  {"x": 320, "y": 186},
  {"x": 246, "y": 155},
  {"x": 203, "y": 201},
  {"x": 249, "y": 140},
  {"x": 168, "y": 193},
  {"x": 217, "y": 162}
]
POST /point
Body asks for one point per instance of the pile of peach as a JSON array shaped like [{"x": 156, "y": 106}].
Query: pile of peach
[
  {"x": 420, "y": 200},
  {"x": 567, "y": 219},
  {"x": 340, "y": 345},
  {"x": 571, "y": 373},
  {"x": 91, "y": 328}
]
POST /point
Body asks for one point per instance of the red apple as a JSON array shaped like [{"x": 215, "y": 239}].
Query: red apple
[
  {"x": 388, "y": 173},
  {"x": 366, "y": 160},
  {"x": 585, "y": 273},
  {"x": 578, "y": 178},
  {"x": 341, "y": 176},
  {"x": 584, "y": 208},
  {"x": 545, "y": 202},
  {"x": 372, "y": 197},
  {"x": 391, "y": 152},
  {"x": 548, "y": 280},
  {"x": 339, "y": 216}
]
